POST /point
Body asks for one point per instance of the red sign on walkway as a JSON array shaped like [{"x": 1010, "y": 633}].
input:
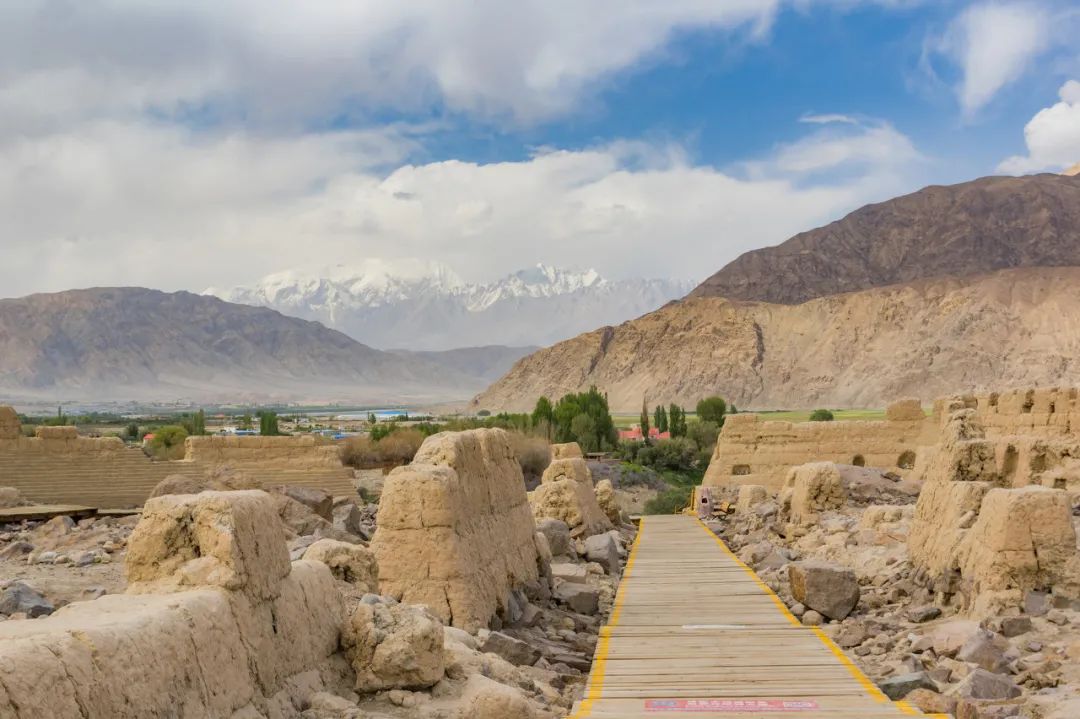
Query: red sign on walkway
[{"x": 729, "y": 705}]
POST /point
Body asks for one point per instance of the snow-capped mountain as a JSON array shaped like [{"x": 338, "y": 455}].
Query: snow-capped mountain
[{"x": 422, "y": 305}]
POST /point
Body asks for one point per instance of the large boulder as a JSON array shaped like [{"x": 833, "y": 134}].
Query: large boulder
[
  {"x": 317, "y": 500},
  {"x": 21, "y": 597},
  {"x": 827, "y": 588},
  {"x": 297, "y": 517},
  {"x": 602, "y": 549},
  {"x": 218, "y": 479},
  {"x": 350, "y": 563},
  {"x": 814, "y": 488},
  {"x": 394, "y": 646},
  {"x": 558, "y": 536}
]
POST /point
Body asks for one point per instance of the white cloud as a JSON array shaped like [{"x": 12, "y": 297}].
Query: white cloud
[
  {"x": 287, "y": 62},
  {"x": 1052, "y": 136},
  {"x": 828, "y": 119},
  {"x": 994, "y": 43},
  {"x": 155, "y": 206}
]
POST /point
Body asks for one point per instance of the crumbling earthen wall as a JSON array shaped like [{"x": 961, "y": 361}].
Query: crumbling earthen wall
[
  {"x": 566, "y": 493},
  {"x": 455, "y": 532},
  {"x": 57, "y": 466},
  {"x": 10, "y": 427},
  {"x": 1048, "y": 413},
  {"x": 217, "y": 623},
  {"x": 246, "y": 451},
  {"x": 755, "y": 451},
  {"x": 981, "y": 532}
]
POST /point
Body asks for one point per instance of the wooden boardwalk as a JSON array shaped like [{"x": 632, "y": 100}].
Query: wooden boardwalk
[{"x": 695, "y": 632}]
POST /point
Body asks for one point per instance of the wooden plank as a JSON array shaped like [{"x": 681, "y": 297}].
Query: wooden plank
[
  {"x": 695, "y": 632},
  {"x": 44, "y": 511}
]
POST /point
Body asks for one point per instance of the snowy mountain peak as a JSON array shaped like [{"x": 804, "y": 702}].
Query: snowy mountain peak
[{"x": 419, "y": 304}]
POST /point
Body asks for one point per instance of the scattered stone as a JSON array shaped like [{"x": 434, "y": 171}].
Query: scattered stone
[
  {"x": 985, "y": 650},
  {"x": 923, "y": 614},
  {"x": 981, "y": 684},
  {"x": 830, "y": 589},
  {"x": 317, "y": 500},
  {"x": 578, "y": 597},
  {"x": 898, "y": 687},
  {"x": 21, "y": 597},
  {"x": 512, "y": 650},
  {"x": 929, "y": 701},
  {"x": 811, "y": 618},
  {"x": 1015, "y": 626},
  {"x": 569, "y": 572},
  {"x": 602, "y": 549},
  {"x": 558, "y": 536},
  {"x": 1056, "y": 616}
]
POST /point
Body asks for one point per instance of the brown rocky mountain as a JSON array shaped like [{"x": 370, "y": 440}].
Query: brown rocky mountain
[
  {"x": 968, "y": 229},
  {"x": 926, "y": 339},
  {"x": 134, "y": 343}
]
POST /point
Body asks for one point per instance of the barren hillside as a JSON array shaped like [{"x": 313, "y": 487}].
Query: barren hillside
[
  {"x": 968, "y": 229},
  {"x": 861, "y": 349},
  {"x": 134, "y": 343}
]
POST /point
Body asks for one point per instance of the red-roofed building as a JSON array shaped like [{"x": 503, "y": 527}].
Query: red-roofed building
[{"x": 634, "y": 434}]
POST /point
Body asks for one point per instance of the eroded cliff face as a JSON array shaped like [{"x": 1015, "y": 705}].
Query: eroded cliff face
[{"x": 927, "y": 339}]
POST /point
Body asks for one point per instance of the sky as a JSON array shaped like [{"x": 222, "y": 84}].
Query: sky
[{"x": 182, "y": 144}]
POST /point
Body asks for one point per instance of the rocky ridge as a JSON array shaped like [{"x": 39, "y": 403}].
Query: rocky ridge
[
  {"x": 860, "y": 349},
  {"x": 971, "y": 228}
]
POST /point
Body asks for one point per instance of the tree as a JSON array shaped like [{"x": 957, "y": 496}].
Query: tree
[
  {"x": 602, "y": 432},
  {"x": 268, "y": 424},
  {"x": 676, "y": 421},
  {"x": 712, "y": 409},
  {"x": 246, "y": 423},
  {"x": 821, "y": 415},
  {"x": 132, "y": 432},
  {"x": 583, "y": 429},
  {"x": 660, "y": 416},
  {"x": 195, "y": 424},
  {"x": 644, "y": 419},
  {"x": 543, "y": 416}
]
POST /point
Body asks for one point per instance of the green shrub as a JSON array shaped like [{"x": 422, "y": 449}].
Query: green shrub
[
  {"x": 533, "y": 454},
  {"x": 168, "y": 442},
  {"x": 400, "y": 446},
  {"x": 712, "y": 409},
  {"x": 359, "y": 453},
  {"x": 821, "y": 415},
  {"x": 670, "y": 501},
  {"x": 678, "y": 454}
]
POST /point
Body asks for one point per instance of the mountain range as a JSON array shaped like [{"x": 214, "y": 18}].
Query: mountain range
[
  {"x": 133, "y": 343},
  {"x": 896, "y": 299},
  {"x": 425, "y": 306}
]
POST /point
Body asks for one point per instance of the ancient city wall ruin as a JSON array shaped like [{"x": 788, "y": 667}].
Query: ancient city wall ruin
[
  {"x": 988, "y": 528},
  {"x": 755, "y": 451},
  {"x": 751, "y": 450},
  {"x": 217, "y": 622},
  {"x": 57, "y": 466},
  {"x": 455, "y": 531}
]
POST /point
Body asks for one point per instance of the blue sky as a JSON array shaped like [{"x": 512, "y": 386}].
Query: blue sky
[{"x": 179, "y": 145}]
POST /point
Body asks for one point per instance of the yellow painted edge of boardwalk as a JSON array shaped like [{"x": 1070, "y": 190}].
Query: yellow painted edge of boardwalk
[{"x": 595, "y": 683}]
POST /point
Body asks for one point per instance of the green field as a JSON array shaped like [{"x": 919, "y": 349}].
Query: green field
[
  {"x": 627, "y": 420},
  {"x": 803, "y": 415}
]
